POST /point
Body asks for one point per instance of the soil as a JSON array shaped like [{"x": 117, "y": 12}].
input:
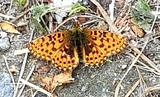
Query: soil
[{"x": 100, "y": 81}]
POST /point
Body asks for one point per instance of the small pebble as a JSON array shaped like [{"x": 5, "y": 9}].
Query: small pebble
[
  {"x": 124, "y": 67},
  {"x": 84, "y": 88},
  {"x": 85, "y": 2}
]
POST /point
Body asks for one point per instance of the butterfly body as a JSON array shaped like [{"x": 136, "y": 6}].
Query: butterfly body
[{"x": 66, "y": 48}]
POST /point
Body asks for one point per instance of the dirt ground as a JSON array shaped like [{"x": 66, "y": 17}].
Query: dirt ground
[{"x": 130, "y": 73}]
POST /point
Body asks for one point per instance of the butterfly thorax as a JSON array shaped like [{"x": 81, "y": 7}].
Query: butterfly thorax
[{"x": 77, "y": 40}]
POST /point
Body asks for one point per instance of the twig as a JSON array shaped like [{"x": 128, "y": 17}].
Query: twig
[
  {"x": 6, "y": 16},
  {"x": 22, "y": 14},
  {"x": 105, "y": 15},
  {"x": 21, "y": 73},
  {"x": 30, "y": 73},
  {"x": 36, "y": 87},
  {"x": 156, "y": 87},
  {"x": 132, "y": 88},
  {"x": 134, "y": 61},
  {"x": 10, "y": 6},
  {"x": 5, "y": 59},
  {"x": 64, "y": 22},
  {"x": 144, "y": 65},
  {"x": 146, "y": 59},
  {"x": 22, "y": 68},
  {"x": 111, "y": 9},
  {"x": 142, "y": 83}
]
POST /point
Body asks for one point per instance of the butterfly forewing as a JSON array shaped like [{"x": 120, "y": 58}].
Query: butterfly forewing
[
  {"x": 55, "y": 47},
  {"x": 101, "y": 45}
]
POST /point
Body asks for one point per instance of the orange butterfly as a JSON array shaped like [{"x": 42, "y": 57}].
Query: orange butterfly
[{"x": 65, "y": 49}]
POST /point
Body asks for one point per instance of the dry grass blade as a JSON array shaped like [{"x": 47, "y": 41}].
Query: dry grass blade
[
  {"x": 22, "y": 69},
  {"x": 36, "y": 87},
  {"x": 140, "y": 54},
  {"x": 134, "y": 61},
  {"x": 64, "y": 22},
  {"x": 19, "y": 52},
  {"x": 142, "y": 83},
  {"x": 21, "y": 73},
  {"x": 22, "y": 14},
  {"x": 111, "y": 9},
  {"x": 132, "y": 88},
  {"x": 146, "y": 59},
  {"x": 152, "y": 88},
  {"x": 31, "y": 71},
  {"x": 6, "y": 16},
  {"x": 105, "y": 15},
  {"x": 5, "y": 59},
  {"x": 144, "y": 66}
]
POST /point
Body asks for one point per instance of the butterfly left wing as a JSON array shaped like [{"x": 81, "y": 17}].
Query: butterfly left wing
[
  {"x": 55, "y": 47},
  {"x": 101, "y": 44}
]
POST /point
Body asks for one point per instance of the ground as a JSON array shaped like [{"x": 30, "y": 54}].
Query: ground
[{"x": 129, "y": 72}]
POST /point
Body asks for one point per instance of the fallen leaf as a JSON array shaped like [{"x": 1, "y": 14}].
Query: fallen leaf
[
  {"x": 131, "y": 35},
  {"x": 63, "y": 78},
  {"x": 8, "y": 27},
  {"x": 47, "y": 83},
  {"x": 50, "y": 83},
  {"x": 137, "y": 30}
]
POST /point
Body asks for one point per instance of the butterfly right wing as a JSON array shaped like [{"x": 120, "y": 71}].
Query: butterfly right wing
[
  {"x": 100, "y": 45},
  {"x": 55, "y": 47}
]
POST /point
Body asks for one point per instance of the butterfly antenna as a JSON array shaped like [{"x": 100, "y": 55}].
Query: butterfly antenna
[{"x": 76, "y": 24}]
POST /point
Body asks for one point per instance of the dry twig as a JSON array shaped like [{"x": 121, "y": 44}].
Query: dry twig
[
  {"x": 5, "y": 59},
  {"x": 22, "y": 69},
  {"x": 36, "y": 87},
  {"x": 105, "y": 15}
]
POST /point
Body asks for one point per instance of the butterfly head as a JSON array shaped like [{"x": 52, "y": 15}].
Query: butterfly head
[
  {"x": 76, "y": 24},
  {"x": 76, "y": 27}
]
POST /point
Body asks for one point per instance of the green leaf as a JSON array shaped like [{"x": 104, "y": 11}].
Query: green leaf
[
  {"x": 141, "y": 14},
  {"x": 142, "y": 5},
  {"x": 20, "y": 2},
  {"x": 76, "y": 8},
  {"x": 38, "y": 11},
  {"x": 38, "y": 25}
]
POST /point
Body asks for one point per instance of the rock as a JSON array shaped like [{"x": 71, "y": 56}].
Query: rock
[
  {"x": 4, "y": 41},
  {"x": 6, "y": 88}
]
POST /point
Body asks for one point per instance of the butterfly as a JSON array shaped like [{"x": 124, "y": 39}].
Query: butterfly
[{"x": 65, "y": 49}]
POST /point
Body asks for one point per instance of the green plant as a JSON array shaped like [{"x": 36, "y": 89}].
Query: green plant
[
  {"x": 141, "y": 14},
  {"x": 20, "y": 2}
]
